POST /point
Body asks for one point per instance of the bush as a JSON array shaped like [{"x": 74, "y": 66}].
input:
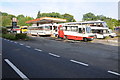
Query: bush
[
  {"x": 4, "y": 30},
  {"x": 21, "y": 36},
  {"x": 9, "y": 36}
]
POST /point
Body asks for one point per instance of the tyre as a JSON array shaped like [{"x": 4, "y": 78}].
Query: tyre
[
  {"x": 56, "y": 36},
  {"x": 111, "y": 36},
  {"x": 85, "y": 39}
]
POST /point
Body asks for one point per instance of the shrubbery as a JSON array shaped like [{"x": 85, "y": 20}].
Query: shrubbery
[
  {"x": 4, "y": 30},
  {"x": 11, "y": 36},
  {"x": 21, "y": 36}
]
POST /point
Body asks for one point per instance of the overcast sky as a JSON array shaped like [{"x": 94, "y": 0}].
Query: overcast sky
[{"x": 76, "y": 8}]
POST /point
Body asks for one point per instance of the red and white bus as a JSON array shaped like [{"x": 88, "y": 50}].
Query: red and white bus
[
  {"x": 99, "y": 28},
  {"x": 16, "y": 29},
  {"x": 75, "y": 32}
]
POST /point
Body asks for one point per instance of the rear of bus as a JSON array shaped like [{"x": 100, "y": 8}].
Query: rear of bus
[{"x": 16, "y": 29}]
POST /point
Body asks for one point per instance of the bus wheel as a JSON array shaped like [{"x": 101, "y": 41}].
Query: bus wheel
[
  {"x": 85, "y": 39},
  {"x": 111, "y": 36},
  {"x": 57, "y": 36}
]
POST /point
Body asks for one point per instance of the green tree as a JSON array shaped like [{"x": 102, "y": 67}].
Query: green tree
[
  {"x": 22, "y": 20},
  {"x": 100, "y": 17},
  {"x": 20, "y": 16},
  {"x": 68, "y": 17},
  {"x": 11, "y": 16},
  {"x": 53, "y": 14},
  {"x": 89, "y": 17},
  {"x": 6, "y": 21},
  {"x": 4, "y": 14}
]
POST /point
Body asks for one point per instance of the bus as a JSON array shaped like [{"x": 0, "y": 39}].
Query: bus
[
  {"x": 15, "y": 29},
  {"x": 99, "y": 28},
  {"x": 75, "y": 32},
  {"x": 43, "y": 30}
]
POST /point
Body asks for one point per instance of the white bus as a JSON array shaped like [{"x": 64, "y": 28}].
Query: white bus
[
  {"x": 44, "y": 29},
  {"x": 99, "y": 28},
  {"x": 75, "y": 32}
]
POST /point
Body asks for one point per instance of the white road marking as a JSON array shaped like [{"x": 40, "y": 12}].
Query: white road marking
[
  {"x": 114, "y": 73},
  {"x": 16, "y": 70},
  {"x": 28, "y": 46},
  {"x": 21, "y": 44},
  {"x": 11, "y": 41},
  {"x": 37, "y": 49},
  {"x": 15, "y": 42},
  {"x": 79, "y": 62},
  {"x": 54, "y": 55}
]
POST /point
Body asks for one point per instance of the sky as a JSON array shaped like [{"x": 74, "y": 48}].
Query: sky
[{"x": 77, "y": 8}]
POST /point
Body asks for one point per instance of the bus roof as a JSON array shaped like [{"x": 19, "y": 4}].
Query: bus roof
[{"x": 84, "y": 22}]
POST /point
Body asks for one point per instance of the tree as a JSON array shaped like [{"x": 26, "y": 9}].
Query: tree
[
  {"x": 11, "y": 16},
  {"x": 6, "y": 21},
  {"x": 100, "y": 17},
  {"x": 68, "y": 17},
  {"x": 22, "y": 20},
  {"x": 89, "y": 17},
  {"x": 53, "y": 14},
  {"x": 20, "y": 16},
  {"x": 4, "y": 14}
]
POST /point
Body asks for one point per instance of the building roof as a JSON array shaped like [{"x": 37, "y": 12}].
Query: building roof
[{"x": 43, "y": 20}]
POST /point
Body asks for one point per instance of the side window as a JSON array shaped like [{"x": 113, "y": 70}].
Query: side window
[
  {"x": 50, "y": 27},
  {"x": 80, "y": 30},
  {"x": 68, "y": 28},
  {"x": 65, "y": 28},
  {"x": 74, "y": 28}
]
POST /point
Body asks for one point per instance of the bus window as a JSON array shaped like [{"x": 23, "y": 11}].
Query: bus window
[
  {"x": 81, "y": 30},
  {"x": 68, "y": 28},
  {"x": 74, "y": 28},
  {"x": 39, "y": 28},
  {"x": 50, "y": 27},
  {"x": 94, "y": 31},
  {"x": 65, "y": 28},
  {"x": 88, "y": 29},
  {"x": 47, "y": 27}
]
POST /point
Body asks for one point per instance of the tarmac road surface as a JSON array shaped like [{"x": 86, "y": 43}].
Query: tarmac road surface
[{"x": 35, "y": 60}]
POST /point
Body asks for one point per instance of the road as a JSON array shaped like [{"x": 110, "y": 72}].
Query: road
[{"x": 43, "y": 58}]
